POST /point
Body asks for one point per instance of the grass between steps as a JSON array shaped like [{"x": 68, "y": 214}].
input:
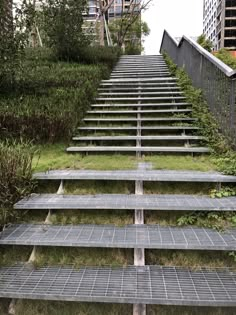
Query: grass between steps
[
  {"x": 68, "y": 308},
  {"x": 51, "y": 157}
]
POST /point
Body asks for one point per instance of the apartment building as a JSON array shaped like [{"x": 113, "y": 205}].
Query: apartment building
[
  {"x": 219, "y": 23},
  {"x": 226, "y": 24},
  {"x": 210, "y": 21}
]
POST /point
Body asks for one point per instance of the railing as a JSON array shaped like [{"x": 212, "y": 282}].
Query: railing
[{"x": 213, "y": 77}]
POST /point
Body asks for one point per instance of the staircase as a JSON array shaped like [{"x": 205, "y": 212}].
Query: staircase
[
  {"x": 140, "y": 109},
  {"x": 136, "y": 109}
]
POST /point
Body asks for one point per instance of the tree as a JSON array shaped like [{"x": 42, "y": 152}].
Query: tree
[
  {"x": 133, "y": 37},
  {"x": 104, "y": 6},
  {"x": 129, "y": 17},
  {"x": 14, "y": 35},
  {"x": 205, "y": 43},
  {"x": 63, "y": 21}
]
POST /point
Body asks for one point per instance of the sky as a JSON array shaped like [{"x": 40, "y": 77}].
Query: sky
[{"x": 178, "y": 17}]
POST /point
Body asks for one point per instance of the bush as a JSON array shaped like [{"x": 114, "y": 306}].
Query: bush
[
  {"x": 99, "y": 54},
  {"x": 15, "y": 173},
  {"x": 224, "y": 156},
  {"x": 50, "y": 100},
  {"x": 225, "y": 56},
  {"x": 62, "y": 24}
]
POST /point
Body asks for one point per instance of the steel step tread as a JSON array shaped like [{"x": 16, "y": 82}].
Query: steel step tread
[
  {"x": 126, "y": 202},
  {"x": 133, "y": 175},
  {"x": 110, "y": 236},
  {"x": 128, "y": 284}
]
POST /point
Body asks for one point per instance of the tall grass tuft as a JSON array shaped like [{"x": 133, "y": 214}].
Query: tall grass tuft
[{"x": 15, "y": 177}]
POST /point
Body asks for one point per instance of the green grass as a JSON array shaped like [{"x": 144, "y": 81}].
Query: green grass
[
  {"x": 189, "y": 259},
  {"x": 114, "y": 217},
  {"x": 12, "y": 254},
  {"x": 67, "y": 308},
  {"x": 184, "y": 310},
  {"x": 53, "y": 157},
  {"x": 80, "y": 257},
  {"x": 185, "y": 162}
]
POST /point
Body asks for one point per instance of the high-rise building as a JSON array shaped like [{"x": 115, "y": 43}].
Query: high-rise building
[
  {"x": 209, "y": 21},
  {"x": 219, "y": 23},
  {"x": 226, "y": 24}
]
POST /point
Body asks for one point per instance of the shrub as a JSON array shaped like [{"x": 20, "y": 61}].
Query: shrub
[
  {"x": 224, "y": 156},
  {"x": 50, "y": 100},
  {"x": 225, "y": 56},
  {"x": 15, "y": 173},
  {"x": 99, "y": 54},
  {"x": 62, "y": 24}
]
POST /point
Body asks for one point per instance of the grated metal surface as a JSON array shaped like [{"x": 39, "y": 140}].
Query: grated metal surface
[
  {"x": 140, "y": 99},
  {"x": 133, "y": 175},
  {"x": 157, "y": 138},
  {"x": 142, "y": 128},
  {"x": 131, "y": 236},
  {"x": 149, "y": 285},
  {"x": 129, "y": 202},
  {"x": 152, "y": 111},
  {"x": 169, "y": 119},
  {"x": 174, "y": 104},
  {"x": 115, "y": 149}
]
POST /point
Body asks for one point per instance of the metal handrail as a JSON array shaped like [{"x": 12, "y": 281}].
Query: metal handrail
[{"x": 211, "y": 75}]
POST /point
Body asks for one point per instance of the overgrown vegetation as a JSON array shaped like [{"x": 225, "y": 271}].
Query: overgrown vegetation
[
  {"x": 222, "y": 154},
  {"x": 50, "y": 99},
  {"x": 14, "y": 34},
  {"x": 225, "y": 56},
  {"x": 205, "y": 43},
  {"x": 16, "y": 177},
  {"x": 62, "y": 24}
]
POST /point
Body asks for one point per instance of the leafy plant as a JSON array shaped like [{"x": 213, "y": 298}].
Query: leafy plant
[
  {"x": 16, "y": 176},
  {"x": 14, "y": 35},
  {"x": 225, "y": 56},
  {"x": 205, "y": 43},
  {"x": 62, "y": 21},
  {"x": 223, "y": 155},
  {"x": 224, "y": 192}
]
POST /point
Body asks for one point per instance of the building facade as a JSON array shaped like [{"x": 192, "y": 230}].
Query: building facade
[
  {"x": 226, "y": 24},
  {"x": 209, "y": 21},
  {"x": 219, "y": 23}
]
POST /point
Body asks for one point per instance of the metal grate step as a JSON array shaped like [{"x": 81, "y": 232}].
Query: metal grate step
[
  {"x": 116, "y": 149},
  {"x": 149, "y": 285},
  {"x": 131, "y": 236},
  {"x": 168, "y": 128},
  {"x": 140, "y": 175},
  {"x": 151, "y": 111},
  {"x": 143, "y": 138},
  {"x": 127, "y": 202}
]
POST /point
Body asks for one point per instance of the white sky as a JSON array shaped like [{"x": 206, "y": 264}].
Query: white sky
[{"x": 178, "y": 17}]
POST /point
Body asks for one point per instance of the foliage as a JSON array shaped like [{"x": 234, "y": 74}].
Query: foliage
[
  {"x": 15, "y": 173},
  {"x": 215, "y": 220},
  {"x": 50, "y": 100},
  {"x": 224, "y": 156},
  {"x": 133, "y": 37},
  {"x": 224, "y": 192},
  {"x": 63, "y": 22},
  {"x": 225, "y": 56},
  {"x": 14, "y": 34},
  {"x": 99, "y": 54},
  {"x": 205, "y": 43}
]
